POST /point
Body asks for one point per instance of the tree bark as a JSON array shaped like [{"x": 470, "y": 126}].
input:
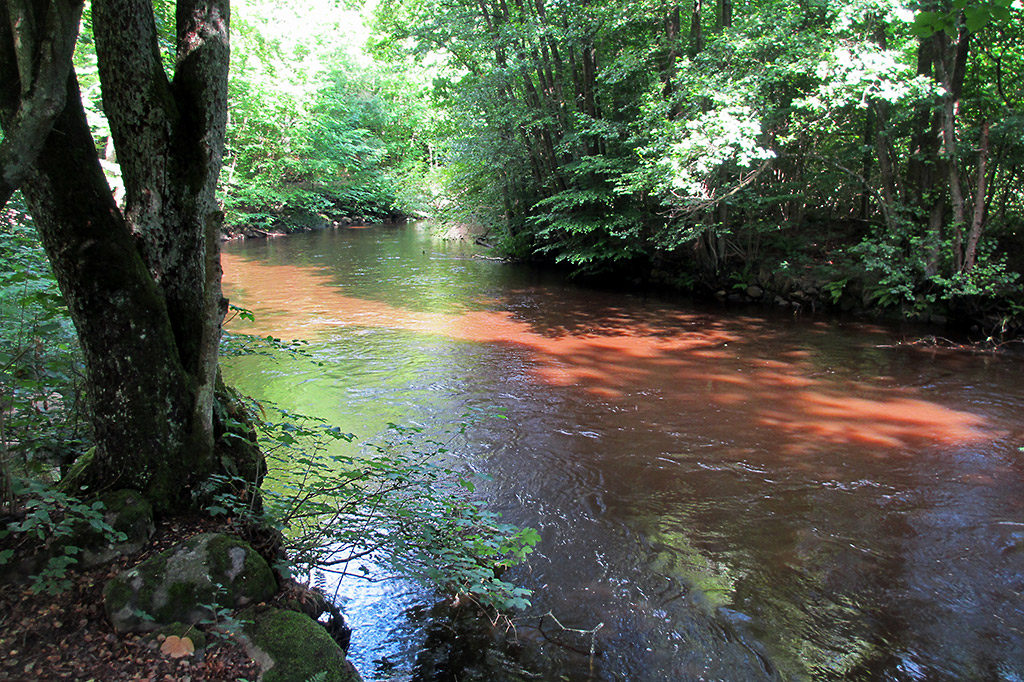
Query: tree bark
[
  {"x": 981, "y": 192},
  {"x": 142, "y": 284},
  {"x": 673, "y": 25},
  {"x": 34, "y": 68},
  {"x": 924, "y": 188},
  {"x": 696, "y": 29},
  {"x": 724, "y": 13},
  {"x": 950, "y": 70},
  {"x": 138, "y": 390}
]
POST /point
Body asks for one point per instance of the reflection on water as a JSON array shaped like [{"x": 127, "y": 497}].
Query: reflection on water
[{"x": 733, "y": 497}]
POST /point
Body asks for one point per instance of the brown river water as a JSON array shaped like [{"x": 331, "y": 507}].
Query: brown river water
[{"x": 734, "y": 495}]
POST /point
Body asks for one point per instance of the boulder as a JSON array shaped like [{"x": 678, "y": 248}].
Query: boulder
[
  {"x": 292, "y": 647},
  {"x": 127, "y": 512},
  {"x": 188, "y": 583}
]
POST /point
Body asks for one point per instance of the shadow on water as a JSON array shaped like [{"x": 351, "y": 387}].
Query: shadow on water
[{"x": 728, "y": 497}]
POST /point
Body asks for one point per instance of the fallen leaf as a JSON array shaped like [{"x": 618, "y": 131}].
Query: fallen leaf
[{"x": 176, "y": 647}]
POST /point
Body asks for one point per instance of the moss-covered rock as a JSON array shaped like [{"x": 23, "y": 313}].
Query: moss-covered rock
[
  {"x": 126, "y": 511},
  {"x": 188, "y": 583},
  {"x": 292, "y": 647}
]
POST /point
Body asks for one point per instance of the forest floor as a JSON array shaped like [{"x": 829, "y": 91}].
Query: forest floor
[{"x": 67, "y": 636}]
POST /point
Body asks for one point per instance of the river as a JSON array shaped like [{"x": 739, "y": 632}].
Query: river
[{"x": 721, "y": 494}]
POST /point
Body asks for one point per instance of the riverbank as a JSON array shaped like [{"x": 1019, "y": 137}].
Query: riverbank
[
  {"x": 816, "y": 287},
  {"x": 263, "y": 226},
  {"x": 67, "y": 633},
  {"x": 820, "y": 284}
]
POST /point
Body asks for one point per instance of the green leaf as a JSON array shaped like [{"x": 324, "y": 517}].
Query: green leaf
[{"x": 928, "y": 23}]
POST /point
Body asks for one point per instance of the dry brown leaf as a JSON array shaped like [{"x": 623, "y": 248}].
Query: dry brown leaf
[{"x": 176, "y": 647}]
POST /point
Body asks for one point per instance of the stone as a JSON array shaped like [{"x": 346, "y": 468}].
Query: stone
[
  {"x": 754, "y": 291},
  {"x": 126, "y": 511},
  {"x": 292, "y": 647},
  {"x": 188, "y": 583}
]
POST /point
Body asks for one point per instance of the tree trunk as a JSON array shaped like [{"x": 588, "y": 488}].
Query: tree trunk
[
  {"x": 981, "y": 192},
  {"x": 696, "y": 29},
  {"x": 724, "y": 13},
  {"x": 924, "y": 188},
  {"x": 867, "y": 161},
  {"x": 142, "y": 284},
  {"x": 950, "y": 69},
  {"x": 34, "y": 68},
  {"x": 139, "y": 392},
  {"x": 673, "y": 25}
]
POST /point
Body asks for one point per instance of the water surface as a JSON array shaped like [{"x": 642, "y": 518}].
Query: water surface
[{"x": 721, "y": 495}]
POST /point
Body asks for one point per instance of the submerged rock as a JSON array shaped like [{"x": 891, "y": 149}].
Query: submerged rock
[
  {"x": 187, "y": 583},
  {"x": 292, "y": 647}
]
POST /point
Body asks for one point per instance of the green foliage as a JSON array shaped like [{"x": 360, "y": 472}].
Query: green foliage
[
  {"x": 976, "y": 16},
  {"x": 604, "y": 136},
  {"x": 48, "y": 522},
  {"x": 396, "y": 504},
  {"x": 41, "y": 401},
  {"x": 315, "y": 130}
]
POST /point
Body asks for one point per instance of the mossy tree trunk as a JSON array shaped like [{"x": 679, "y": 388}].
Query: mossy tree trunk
[{"x": 142, "y": 281}]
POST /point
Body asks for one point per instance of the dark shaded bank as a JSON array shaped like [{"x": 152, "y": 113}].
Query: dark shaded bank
[
  {"x": 810, "y": 280},
  {"x": 959, "y": 321},
  {"x": 263, "y": 225},
  {"x": 257, "y": 225}
]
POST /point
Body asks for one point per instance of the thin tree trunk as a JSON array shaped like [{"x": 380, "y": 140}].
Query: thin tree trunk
[
  {"x": 696, "y": 29},
  {"x": 673, "y": 25},
  {"x": 867, "y": 161},
  {"x": 724, "y": 13},
  {"x": 978, "y": 219},
  {"x": 950, "y": 67}
]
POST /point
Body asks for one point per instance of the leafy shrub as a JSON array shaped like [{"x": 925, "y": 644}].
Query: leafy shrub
[
  {"x": 49, "y": 521},
  {"x": 42, "y": 423},
  {"x": 396, "y": 504}
]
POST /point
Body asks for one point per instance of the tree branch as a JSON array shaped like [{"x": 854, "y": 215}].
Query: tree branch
[
  {"x": 33, "y": 94},
  {"x": 138, "y": 104}
]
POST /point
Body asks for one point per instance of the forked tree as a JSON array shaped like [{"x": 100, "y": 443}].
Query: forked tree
[{"x": 142, "y": 281}]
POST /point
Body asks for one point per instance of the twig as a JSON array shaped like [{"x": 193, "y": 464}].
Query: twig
[{"x": 592, "y": 632}]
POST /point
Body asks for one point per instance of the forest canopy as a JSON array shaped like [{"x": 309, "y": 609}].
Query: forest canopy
[
  {"x": 866, "y": 154},
  {"x": 869, "y": 151}
]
